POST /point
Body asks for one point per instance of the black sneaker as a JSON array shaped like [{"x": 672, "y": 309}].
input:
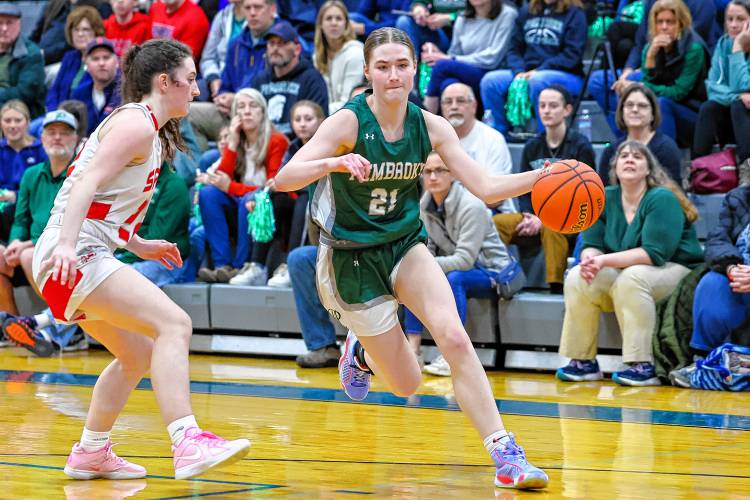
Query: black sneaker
[
  {"x": 78, "y": 342},
  {"x": 21, "y": 330}
]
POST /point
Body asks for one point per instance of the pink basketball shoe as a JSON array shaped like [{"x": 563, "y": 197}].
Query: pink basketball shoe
[
  {"x": 199, "y": 451},
  {"x": 102, "y": 463}
]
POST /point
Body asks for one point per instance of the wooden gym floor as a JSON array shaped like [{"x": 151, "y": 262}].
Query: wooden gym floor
[{"x": 595, "y": 440}]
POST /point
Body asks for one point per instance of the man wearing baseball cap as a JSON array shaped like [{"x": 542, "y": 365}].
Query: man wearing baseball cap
[
  {"x": 101, "y": 94},
  {"x": 36, "y": 195},
  {"x": 288, "y": 79},
  {"x": 21, "y": 63}
]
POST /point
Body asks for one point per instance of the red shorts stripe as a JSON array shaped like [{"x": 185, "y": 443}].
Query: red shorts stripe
[
  {"x": 58, "y": 296},
  {"x": 98, "y": 211}
]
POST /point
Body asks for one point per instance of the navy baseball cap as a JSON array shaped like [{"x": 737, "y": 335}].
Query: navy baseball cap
[
  {"x": 100, "y": 42},
  {"x": 283, "y": 30},
  {"x": 10, "y": 9}
]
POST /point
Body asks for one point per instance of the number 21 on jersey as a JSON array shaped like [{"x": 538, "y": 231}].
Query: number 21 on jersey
[{"x": 382, "y": 201}]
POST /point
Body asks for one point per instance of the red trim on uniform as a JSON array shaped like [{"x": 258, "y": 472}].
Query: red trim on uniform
[
  {"x": 98, "y": 211},
  {"x": 123, "y": 234},
  {"x": 70, "y": 169},
  {"x": 156, "y": 123},
  {"x": 58, "y": 296}
]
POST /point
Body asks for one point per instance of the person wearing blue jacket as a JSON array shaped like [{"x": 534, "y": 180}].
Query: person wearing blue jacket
[
  {"x": 370, "y": 15},
  {"x": 546, "y": 48},
  {"x": 727, "y": 110},
  {"x": 101, "y": 94}
]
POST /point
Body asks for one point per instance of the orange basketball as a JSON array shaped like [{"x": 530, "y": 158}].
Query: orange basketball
[{"x": 569, "y": 197}]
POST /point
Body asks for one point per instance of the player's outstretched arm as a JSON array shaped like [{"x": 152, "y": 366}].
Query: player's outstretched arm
[
  {"x": 328, "y": 151},
  {"x": 111, "y": 157},
  {"x": 490, "y": 189}
]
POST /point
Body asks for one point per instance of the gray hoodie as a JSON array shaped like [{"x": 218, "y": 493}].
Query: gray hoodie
[
  {"x": 465, "y": 235},
  {"x": 215, "y": 51}
]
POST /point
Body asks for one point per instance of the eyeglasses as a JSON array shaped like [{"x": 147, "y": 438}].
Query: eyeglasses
[
  {"x": 461, "y": 101},
  {"x": 82, "y": 31},
  {"x": 437, "y": 171},
  {"x": 633, "y": 105}
]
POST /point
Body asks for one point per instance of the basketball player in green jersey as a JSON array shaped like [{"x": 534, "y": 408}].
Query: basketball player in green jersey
[{"x": 367, "y": 159}]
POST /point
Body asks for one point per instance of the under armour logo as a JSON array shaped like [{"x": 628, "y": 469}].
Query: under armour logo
[{"x": 369, "y": 137}]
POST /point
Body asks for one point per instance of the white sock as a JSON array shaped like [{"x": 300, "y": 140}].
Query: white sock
[
  {"x": 92, "y": 441},
  {"x": 42, "y": 320},
  {"x": 177, "y": 428},
  {"x": 497, "y": 439}
]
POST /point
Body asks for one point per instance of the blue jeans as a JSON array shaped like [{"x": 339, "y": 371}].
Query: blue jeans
[
  {"x": 472, "y": 283},
  {"x": 495, "y": 84},
  {"x": 717, "y": 311},
  {"x": 677, "y": 120},
  {"x": 156, "y": 273},
  {"x": 217, "y": 210},
  {"x": 422, "y": 34},
  {"x": 446, "y": 72},
  {"x": 317, "y": 329},
  {"x": 197, "y": 252},
  {"x": 604, "y": 95},
  {"x": 207, "y": 159}
]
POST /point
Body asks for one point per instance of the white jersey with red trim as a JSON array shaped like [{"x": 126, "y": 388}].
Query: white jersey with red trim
[{"x": 118, "y": 207}]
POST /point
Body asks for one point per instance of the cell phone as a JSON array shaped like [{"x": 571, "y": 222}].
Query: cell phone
[{"x": 398, "y": 12}]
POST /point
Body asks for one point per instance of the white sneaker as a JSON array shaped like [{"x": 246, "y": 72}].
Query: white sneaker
[
  {"x": 280, "y": 278},
  {"x": 253, "y": 274},
  {"x": 439, "y": 367}
]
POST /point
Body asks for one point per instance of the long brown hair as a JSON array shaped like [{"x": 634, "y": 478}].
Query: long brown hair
[
  {"x": 139, "y": 66},
  {"x": 79, "y": 14},
  {"x": 536, "y": 7},
  {"x": 322, "y": 47},
  {"x": 656, "y": 177},
  {"x": 650, "y": 97},
  {"x": 382, "y": 36}
]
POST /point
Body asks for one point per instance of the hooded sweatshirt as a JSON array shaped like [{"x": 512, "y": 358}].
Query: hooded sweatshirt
[
  {"x": 344, "y": 73},
  {"x": 245, "y": 59},
  {"x": 729, "y": 75},
  {"x": 134, "y": 32}
]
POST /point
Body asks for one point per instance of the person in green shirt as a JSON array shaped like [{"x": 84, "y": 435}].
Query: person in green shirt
[
  {"x": 167, "y": 219},
  {"x": 635, "y": 255}
]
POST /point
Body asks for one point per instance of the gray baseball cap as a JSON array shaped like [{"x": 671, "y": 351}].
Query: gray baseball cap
[{"x": 60, "y": 116}]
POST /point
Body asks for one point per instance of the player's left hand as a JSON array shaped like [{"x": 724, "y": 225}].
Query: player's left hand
[{"x": 162, "y": 251}]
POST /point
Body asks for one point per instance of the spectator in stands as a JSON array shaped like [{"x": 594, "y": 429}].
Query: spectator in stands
[
  {"x": 481, "y": 36},
  {"x": 722, "y": 300},
  {"x": 36, "y": 195},
  {"x": 82, "y": 26},
  {"x": 638, "y": 117},
  {"x": 21, "y": 63},
  {"x": 246, "y": 57},
  {"x": 621, "y": 33},
  {"x": 546, "y": 48},
  {"x": 726, "y": 113},
  {"x": 370, "y": 15},
  {"x": 338, "y": 55},
  {"x": 19, "y": 150},
  {"x": 225, "y": 27},
  {"x": 167, "y": 219},
  {"x": 301, "y": 14},
  {"x": 252, "y": 157},
  {"x": 101, "y": 93},
  {"x": 702, "y": 14},
  {"x": 288, "y": 79},
  {"x": 465, "y": 244},
  {"x": 180, "y": 20},
  {"x": 483, "y": 143},
  {"x": 430, "y": 22},
  {"x": 126, "y": 26},
  {"x": 557, "y": 142},
  {"x": 637, "y": 252}
]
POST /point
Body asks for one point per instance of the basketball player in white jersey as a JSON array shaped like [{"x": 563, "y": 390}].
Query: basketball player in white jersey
[{"x": 99, "y": 208}]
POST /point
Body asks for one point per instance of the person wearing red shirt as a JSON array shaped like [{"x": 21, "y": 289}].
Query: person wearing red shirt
[
  {"x": 250, "y": 161},
  {"x": 126, "y": 27},
  {"x": 180, "y": 20}
]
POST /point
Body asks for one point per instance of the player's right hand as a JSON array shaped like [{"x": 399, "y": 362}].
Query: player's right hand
[
  {"x": 63, "y": 263},
  {"x": 357, "y": 165}
]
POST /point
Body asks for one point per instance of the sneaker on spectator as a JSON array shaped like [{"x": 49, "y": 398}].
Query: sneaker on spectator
[
  {"x": 681, "y": 376},
  {"x": 580, "y": 370},
  {"x": 207, "y": 275},
  {"x": 225, "y": 273},
  {"x": 320, "y": 358},
  {"x": 253, "y": 274},
  {"x": 638, "y": 374},
  {"x": 78, "y": 342},
  {"x": 200, "y": 450},
  {"x": 23, "y": 332},
  {"x": 439, "y": 367},
  {"x": 280, "y": 278}
]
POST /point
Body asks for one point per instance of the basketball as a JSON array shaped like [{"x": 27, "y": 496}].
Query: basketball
[{"x": 569, "y": 197}]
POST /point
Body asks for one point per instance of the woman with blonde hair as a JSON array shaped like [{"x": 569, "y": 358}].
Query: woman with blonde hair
[
  {"x": 339, "y": 55},
  {"x": 643, "y": 244},
  {"x": 251, "y": 159}
]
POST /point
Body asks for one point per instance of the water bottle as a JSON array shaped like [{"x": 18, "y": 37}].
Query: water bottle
[
  {"x": 584, "y": 124},
  {"x": 488, "y": 119}
]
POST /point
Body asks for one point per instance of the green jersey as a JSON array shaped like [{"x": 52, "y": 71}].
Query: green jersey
[{"x": 385, "y": 207}]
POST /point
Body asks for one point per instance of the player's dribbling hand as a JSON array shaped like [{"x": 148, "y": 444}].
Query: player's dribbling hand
[
  {"x": 357, "y": 165},
  {"x": 63, "y": 263}
]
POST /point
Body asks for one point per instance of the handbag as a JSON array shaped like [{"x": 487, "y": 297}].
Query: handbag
[{"x": 714, "y": 173}]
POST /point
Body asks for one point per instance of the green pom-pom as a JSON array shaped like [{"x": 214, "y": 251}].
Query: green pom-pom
[
  {"x": 261, "y": 224},
  {"x": 518, "y": 105}
]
